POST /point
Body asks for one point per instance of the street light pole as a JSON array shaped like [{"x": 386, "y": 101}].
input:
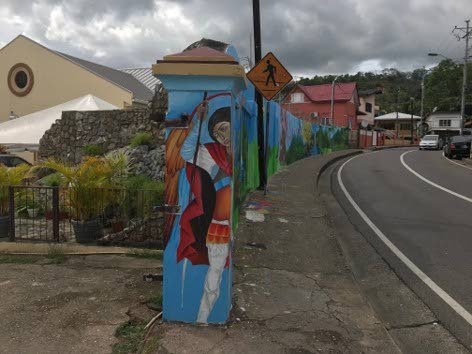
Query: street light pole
[{"x": 464, "y": 76}]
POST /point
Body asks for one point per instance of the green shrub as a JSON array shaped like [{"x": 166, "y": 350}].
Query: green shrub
[
  {"x": 143, "y": 194},
  {"x": 93, "y": 150},
  {"x": 53, "y": 180},
  {"x": 142, "y": 138}
]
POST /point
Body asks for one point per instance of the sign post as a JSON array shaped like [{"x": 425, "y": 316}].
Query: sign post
[{"x": 269, "y": 77}]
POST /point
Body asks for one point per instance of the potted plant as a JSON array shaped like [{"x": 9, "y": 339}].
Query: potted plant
[
  {"x": 89, "y": 192},
  {"x": 33, "y": 209},
  {"x": 9, "y": 176}
]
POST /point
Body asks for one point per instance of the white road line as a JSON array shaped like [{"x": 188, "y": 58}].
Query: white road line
[
  {"x": 456, "y": 163},
  {"x": 461, "y": 311},
  {"x": 455, "y": 194}
]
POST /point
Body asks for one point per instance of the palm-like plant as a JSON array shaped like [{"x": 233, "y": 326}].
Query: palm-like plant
[
  {"x": 90, "y": 183},
  {"x": 10, "y": 176}
]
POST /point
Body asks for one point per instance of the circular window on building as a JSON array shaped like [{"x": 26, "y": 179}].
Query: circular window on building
[{"x": 20, "y": 79}]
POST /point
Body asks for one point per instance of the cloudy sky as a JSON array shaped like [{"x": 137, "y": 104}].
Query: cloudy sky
[{"x": 309, "y": 36}]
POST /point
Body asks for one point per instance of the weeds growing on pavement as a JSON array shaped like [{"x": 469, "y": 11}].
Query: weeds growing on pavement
[
  {"x": 155, "y": 302},
  {"x": 131, "y": 336},
  {"x": 56, "y": 256},
  {"x": 18, "y": 259}
]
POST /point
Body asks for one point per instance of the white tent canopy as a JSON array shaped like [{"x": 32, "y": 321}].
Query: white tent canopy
[{"x": 26, "y": 131}]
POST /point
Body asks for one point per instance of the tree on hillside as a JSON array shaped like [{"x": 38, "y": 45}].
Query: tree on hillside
[{"x": 442, "y": 87}]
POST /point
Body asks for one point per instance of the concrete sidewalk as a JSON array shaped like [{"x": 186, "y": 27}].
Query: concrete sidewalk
[{"x": 293, "y": 290}]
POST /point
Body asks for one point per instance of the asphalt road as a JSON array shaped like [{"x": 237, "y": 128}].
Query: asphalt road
[{"x": 431, "y": 227}]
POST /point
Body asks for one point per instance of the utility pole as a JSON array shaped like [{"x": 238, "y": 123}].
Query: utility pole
[
  {"x": 422, "y": 95},
  {"x": 256, "y": 14},
  {"x": 467, "y": 33},
  {"x": 411, "y": 120},
  {"x": 332, "y": 99},
  {"x": 396, "y": 121}
]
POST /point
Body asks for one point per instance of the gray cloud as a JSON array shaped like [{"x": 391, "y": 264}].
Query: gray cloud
[{"x": 309, "y": 36}]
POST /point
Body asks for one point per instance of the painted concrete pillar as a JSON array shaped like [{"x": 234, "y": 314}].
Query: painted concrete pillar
[{"x": 200, "y": 139}]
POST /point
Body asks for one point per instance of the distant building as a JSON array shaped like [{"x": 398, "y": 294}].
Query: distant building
[
  {"x": 443, "y": 123},
  {"x": 368, "y": 106},
  {"x": 313, "y": 103},
  {"x": 398, "y": 123},
  {"x": 34, "y": 78}
]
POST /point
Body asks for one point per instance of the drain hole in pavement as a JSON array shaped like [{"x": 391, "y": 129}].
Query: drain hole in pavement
[{"x": 152, "y": 277}]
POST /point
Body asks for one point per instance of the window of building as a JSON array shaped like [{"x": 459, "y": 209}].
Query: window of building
[
  {"x": 20, "y": 80},
  {"x": 368, "y": 107},
  {"x": 444, "y": 122},
  {"x": 296, "y": 97}
]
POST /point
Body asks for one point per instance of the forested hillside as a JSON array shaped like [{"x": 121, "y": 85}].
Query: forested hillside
[{"x": 442, "y": 87}]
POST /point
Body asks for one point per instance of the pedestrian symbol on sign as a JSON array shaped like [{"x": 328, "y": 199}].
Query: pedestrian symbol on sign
[{"x": 272, "y": 70}]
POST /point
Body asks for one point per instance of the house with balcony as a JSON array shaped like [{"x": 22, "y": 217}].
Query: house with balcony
[
  {"x": 313, "y": 103},
  {"x": 444, "y": 123}
]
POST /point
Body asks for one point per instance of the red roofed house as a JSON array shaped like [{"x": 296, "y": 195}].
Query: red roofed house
[{"x": 313, "y": 103}]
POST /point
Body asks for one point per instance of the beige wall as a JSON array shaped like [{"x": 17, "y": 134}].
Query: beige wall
[
  {"x": 370, "y": 115},
  {"x": 56, "y": 80}
]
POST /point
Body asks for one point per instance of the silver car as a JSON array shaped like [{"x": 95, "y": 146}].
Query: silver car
[{"x": 431, "y": 142}]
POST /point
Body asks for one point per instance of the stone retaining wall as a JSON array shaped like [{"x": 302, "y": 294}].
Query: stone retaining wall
[{"x": 110, "y": 130}]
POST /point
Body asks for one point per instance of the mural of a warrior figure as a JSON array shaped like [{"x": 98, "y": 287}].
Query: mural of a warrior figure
[
  {"x": 205, "y": 223},
  {"x": 200, "y": 167}
]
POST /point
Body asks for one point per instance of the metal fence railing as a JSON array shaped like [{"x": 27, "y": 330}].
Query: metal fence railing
[{"x": 103, "y": 215}]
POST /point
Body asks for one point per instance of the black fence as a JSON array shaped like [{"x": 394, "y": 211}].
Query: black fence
[{"x": 103, "y": 216}]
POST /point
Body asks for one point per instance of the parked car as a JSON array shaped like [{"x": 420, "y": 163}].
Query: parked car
[
  {"x": 458, "y": 146},
  {"x": 431, "y": 142},
  {"x": 12, "y": 160}
]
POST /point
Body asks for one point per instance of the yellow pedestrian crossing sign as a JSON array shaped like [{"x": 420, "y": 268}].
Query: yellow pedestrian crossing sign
[{"x": 269, "y": 76}]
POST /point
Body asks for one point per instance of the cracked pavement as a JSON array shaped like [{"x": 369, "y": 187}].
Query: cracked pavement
[
  {"x": 297, "y": 295},
  {"x": 73, "y": 307}
]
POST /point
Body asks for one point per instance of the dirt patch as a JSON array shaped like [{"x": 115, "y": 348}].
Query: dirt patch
[{"x": 75, "y": 306}]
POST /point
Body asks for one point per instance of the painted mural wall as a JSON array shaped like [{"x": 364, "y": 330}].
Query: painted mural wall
[
  {"x": 292, "y": 138},
  {"x": 211, "y": 165}
]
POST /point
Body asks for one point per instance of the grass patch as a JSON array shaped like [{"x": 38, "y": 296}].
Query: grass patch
[
  {"x": 145, "y": 254},
  {"x": 151, "y": 346},
  {"x": 131, "y": 336},
  {"x": 18, "y": 259},
  {"x": 56, "y": 256},
  {"x": 140, "y": 139},
  {"x": 155, "y": 302},
  {"x": 93, "y": 150}
]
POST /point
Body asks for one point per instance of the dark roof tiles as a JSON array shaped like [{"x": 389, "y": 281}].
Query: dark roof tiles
[{"x": 120, "y": 78}]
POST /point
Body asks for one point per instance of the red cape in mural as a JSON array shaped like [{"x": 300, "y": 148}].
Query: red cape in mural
[{"x": 196, "y": 218}]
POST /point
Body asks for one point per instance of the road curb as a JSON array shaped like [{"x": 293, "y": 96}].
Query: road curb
[
  {"x": 386, "y": 147},
  {"x": 333, "y": 160}
]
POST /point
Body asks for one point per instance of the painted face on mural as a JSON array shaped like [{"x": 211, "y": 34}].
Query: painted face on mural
[
  {"x": 222, "y": 133},
  {"x": 219, "y": 126}
]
